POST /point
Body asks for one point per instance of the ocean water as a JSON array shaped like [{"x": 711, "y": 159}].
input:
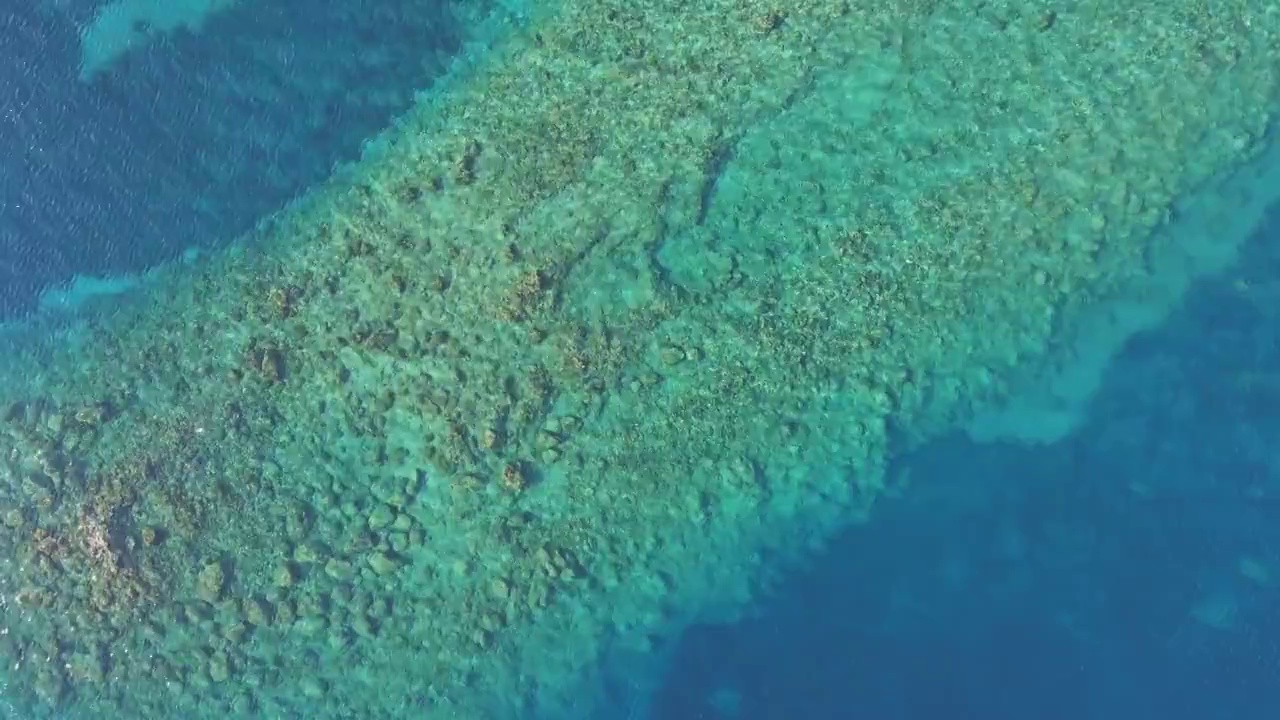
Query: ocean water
[
  {"x": 604, "y": 360},
  {"x": 116, "y": 161},
  {"x": 1117, "y": 573}
]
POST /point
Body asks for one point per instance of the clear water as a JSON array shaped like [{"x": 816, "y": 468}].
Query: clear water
[
  {"x": 710, "y": 363},
  {"x": 1113, "y": 574},
  {"x": 185, "y": 142}
]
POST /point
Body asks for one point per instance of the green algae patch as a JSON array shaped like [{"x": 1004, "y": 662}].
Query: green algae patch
[{"x": 647, "y": 299}]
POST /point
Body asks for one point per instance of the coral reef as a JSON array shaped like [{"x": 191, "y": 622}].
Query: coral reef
[{"x": 646, "y": 298}]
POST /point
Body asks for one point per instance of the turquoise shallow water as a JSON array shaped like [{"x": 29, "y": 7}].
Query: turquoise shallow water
[{"x": 614, "y": 360}]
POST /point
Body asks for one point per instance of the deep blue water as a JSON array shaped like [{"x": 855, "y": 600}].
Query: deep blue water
[
  {"x": 189, "y": 141},
  {"x": 1050, "y": 582}
]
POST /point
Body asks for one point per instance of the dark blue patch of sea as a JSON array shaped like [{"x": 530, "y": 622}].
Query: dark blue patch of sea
[
  {"x": 1130, "y": 570},
  {"x": 189, "y": 139}
]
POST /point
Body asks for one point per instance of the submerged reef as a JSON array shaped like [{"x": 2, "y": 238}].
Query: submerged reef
[{"x": 599, "y": 336}]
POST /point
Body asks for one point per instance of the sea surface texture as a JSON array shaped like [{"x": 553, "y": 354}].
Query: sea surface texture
[
  {"x": 136, "y": 130},
  {"x": 640, "y": 359}
]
